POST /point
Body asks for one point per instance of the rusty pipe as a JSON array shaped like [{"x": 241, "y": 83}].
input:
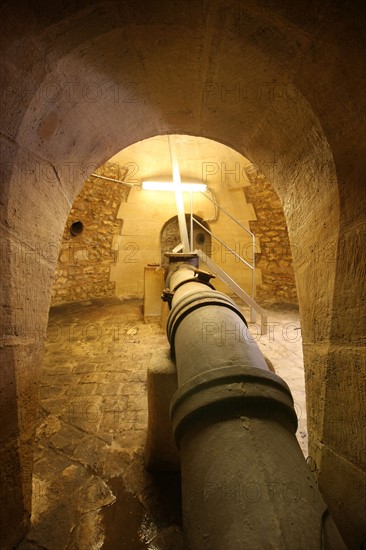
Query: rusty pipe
[{"x": 245, "y": 482}]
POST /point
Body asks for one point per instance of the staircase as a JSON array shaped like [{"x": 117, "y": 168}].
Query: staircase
[{"x": 215, "y": 268}]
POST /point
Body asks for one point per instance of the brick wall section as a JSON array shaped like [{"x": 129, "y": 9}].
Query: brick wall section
[
  {"x": 84, "y": 262},
  {"x": 274, "y": 258}
]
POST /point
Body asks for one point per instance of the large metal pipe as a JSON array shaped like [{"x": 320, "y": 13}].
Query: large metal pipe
[{"x": 245, "y": 482}]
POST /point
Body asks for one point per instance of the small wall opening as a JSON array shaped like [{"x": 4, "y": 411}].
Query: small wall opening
[{"x": 76, "y": 228}]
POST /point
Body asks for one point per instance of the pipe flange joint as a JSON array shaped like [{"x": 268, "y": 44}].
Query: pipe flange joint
[
  {"x": 176, "y": 268},
  {"x": 231, "y": 392},
  {"x": 198, "y": 279}
]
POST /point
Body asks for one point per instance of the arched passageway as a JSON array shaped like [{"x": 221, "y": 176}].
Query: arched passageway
[
  {"x": 282, "y": 86},
  {"x": 91, "y": 433}
]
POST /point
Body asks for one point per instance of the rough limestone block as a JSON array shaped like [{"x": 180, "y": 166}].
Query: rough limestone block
[{"x": 161, "y": 452}]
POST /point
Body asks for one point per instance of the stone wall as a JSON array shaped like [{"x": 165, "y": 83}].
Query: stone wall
[
  {"x": 86, "y": 257},
  {"x": 83, "y": 269},
  {"x": 274, "y": 257}
]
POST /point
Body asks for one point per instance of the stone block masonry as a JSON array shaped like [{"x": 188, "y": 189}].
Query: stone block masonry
[
  {"x": 274, "y": 257},
  {"x": 83, "y": 269}
]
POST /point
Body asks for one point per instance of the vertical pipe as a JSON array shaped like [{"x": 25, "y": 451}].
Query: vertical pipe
[{"x": 178, "y": 196}]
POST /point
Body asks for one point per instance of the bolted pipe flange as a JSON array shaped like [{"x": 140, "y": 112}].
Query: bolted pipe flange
[{"x": 232, "y": 392}]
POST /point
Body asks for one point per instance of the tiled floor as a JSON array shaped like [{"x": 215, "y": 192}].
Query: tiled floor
[{"x": 90, "y": 487}]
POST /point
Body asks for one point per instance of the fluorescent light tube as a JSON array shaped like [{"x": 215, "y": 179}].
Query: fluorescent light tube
[{"x": 169, "y": 186}]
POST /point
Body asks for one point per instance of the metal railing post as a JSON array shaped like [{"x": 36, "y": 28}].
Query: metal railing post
[{"x": 253, "y": 315}]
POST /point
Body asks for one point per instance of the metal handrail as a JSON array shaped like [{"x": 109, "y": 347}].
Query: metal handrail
[
  {"x": 254, "y": 307},
  {"x": 252, "y": 267},
  {"x": 227, "y": 213},
  {"x": 240, "y": 258},
  {"x": 222, "y": 242}
]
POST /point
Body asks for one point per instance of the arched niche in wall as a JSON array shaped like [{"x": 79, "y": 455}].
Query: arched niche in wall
[{"x": 170, "y": 237}]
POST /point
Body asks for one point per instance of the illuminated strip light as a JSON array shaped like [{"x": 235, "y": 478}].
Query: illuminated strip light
[{"x": 169, "y": 186}]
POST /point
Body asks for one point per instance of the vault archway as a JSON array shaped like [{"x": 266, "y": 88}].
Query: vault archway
[{"x": 75, "y": 94}]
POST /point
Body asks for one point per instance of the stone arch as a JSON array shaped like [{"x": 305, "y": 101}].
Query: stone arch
[{"x": 70, "y": 94}]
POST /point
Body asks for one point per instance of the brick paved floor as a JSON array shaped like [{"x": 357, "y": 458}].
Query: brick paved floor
[{"x": 90, "y": 487}]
